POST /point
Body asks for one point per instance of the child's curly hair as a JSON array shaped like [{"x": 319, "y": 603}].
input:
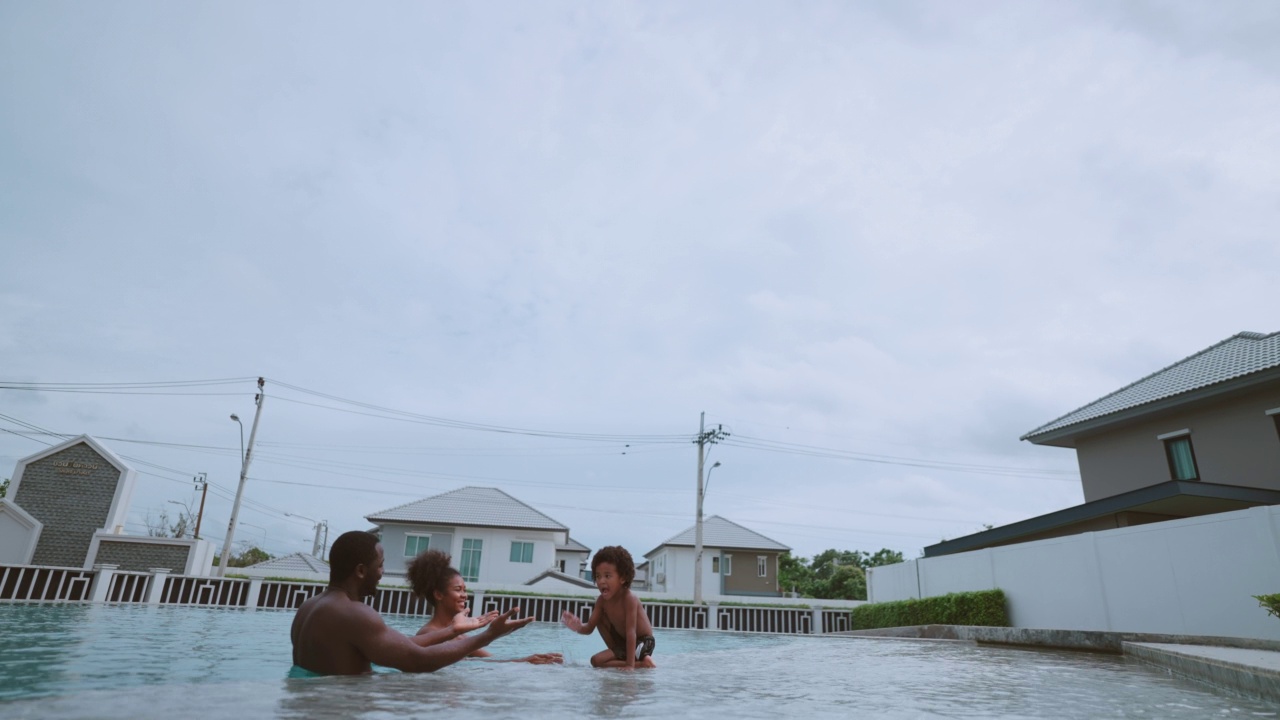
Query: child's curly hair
[
  {"x": 428, "y": 572},
  {"x": 620, "y": 559}
]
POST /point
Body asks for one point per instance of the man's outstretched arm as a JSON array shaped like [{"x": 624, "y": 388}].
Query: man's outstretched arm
[{"x": 384, "y": 646}]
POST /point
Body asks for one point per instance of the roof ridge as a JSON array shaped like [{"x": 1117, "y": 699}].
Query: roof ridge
[{"x": 1246, "y": 335}]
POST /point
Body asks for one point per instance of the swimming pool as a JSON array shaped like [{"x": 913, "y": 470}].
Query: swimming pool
[{"x": 96, "y": 661}]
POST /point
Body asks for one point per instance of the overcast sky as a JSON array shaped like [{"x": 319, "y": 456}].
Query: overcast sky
[{"x": 886, "y": 239}]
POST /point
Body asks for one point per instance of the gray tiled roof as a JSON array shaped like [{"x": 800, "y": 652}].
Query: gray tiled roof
[
  {"x": 470, "y": 506},
  {"x": 720, "y": 533},
  {"x": 574, "y": 546},
  {"x": 1239, "y": 355},
  {"x": 297, "y": 562}
]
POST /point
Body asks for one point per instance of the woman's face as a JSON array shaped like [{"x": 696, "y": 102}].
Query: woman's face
[{"x": 453, "y": 598}]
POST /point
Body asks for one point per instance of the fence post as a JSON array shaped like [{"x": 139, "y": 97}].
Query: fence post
[
  {"x": 255, "y": 590},
  {"x": 156, "y": 587},
  {"x": 816, "y": 628},
  {"x": 477, "y": 603},
  {"x": 101, "y": 581},
  {"x": 713, "y": 616}
]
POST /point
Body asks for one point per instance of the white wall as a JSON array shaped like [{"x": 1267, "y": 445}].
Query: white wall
[
  {"x": 495, "y": 556},
  {"x": 1194, "y": 576},
  {"x": 679, "y": 572}
]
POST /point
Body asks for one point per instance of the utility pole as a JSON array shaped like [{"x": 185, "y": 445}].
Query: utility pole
[
  {"x": 202, "y": 481},
  {"x": 244, "y": 473},
  {"x": 318, "y": 547},
  {"x": 705, "y": 437}
]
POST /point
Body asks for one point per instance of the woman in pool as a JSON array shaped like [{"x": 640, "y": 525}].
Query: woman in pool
[{"x": 442, "y": 587}]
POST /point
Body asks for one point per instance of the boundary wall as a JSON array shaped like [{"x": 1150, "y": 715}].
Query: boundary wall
[
  {"x": 1192, "y": 576},
  {"x": 109, "y": 584}
]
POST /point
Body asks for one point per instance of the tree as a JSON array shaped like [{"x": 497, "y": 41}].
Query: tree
[
  {"x": 4, "y": 488},
  {"x": 794, "y": 574},
  {"x": 162, "y": 527},
  {"x": 834, "y": 574},
  {"x": 251, "y": 556}
]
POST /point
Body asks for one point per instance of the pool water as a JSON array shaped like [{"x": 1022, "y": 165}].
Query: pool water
[{"x": 95, "y": 661}]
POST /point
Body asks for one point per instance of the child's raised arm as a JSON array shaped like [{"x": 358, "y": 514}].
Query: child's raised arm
[{"x": 572, "y": 622}]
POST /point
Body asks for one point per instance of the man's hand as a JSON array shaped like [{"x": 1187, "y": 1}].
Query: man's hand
[
  {"x": 464, "y": 623},
  {"x": 571, "y": 621},
  {"x": 503, "y": 624}
]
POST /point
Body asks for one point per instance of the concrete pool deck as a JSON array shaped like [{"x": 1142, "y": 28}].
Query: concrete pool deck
[{"x": 1243, "y": 665}]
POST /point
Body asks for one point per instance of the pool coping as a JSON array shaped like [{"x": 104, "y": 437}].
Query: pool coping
[{"x": 1247, "y": 666}]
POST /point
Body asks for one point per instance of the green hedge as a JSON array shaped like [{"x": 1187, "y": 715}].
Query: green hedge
[{"x": 986, "y": 607}]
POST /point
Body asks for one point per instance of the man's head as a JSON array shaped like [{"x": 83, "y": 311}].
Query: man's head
[
  {"x": 620, "y": 559},
  {"x": 356, "y": 554}
]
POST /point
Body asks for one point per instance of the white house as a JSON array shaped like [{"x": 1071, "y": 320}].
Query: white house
[
  {"x": 494, "y": 538},
  {"x": 572, "y": 557},
  {"x": 735, "y": 561}
]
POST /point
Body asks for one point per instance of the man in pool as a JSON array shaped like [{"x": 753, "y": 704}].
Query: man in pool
[
  {"x": 335, "y": 633},
  {"x": 624, "y": 625}
]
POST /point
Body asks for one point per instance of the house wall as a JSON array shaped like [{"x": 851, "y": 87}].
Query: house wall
[
  {"x": 71, "y": 492},
  {"x": 1235, "y": 443},
  {"x": 495, "y": 553},
  {"x": 1193, "y": 576},
  {"x": 745, "y": 577},
  {"x": 393, "y": 543},
  {"x": 573, "y": 560},
  {"x": 742, "y": 581}
]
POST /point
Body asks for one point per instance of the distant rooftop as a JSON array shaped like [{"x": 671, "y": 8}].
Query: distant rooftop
[
  {"x": 574, "y": 546},
  {"x": 295, "y": 563},
  {"x": 720, "y": 533},
  {"x": 1234, "y": 358},
  {"x": 470, "y": 506}
]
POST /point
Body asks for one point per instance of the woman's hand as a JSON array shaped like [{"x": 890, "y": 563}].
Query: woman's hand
[{"x": 464, "y": 623}]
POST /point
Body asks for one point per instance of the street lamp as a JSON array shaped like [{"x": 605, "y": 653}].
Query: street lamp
[{"x": 707, "y": 485}]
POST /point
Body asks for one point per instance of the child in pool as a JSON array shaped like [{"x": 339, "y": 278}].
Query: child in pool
[
  {"x": 442, "y": 587},
  {"x": 624, "y": 625}
]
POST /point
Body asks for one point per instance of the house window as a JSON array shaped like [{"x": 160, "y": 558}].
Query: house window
[
  {"x": 1180, "y": 454},
  {"x": 521, "y": 552},
  {"x": 470, "y": 566},
  {"x": 727, "y": 565},
  {"x": 414, "y": 544},
  {"x": 762, "y": 565},
  {"x": 715, "y": 564}
]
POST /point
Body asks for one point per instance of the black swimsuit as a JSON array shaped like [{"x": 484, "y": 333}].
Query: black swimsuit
[{"x": 618, "y": 644}]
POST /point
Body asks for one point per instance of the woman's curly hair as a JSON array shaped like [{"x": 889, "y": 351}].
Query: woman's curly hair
[
  {"x": 428, "y": 572},
  {"x": 620, "y": 559}
]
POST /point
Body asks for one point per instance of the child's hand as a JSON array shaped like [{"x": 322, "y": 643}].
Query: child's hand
[
  {"x": 545, "y": 659},
  {"x": 571, "y": 621}
]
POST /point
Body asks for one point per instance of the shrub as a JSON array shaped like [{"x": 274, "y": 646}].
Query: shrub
[
  {"x": 1270, "y": 602},
  {"x": 985, "y": 607}
]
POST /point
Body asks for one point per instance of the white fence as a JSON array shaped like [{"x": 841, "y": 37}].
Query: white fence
[
  {"x": 106, "y": 583},
  {"x": 1194, "y": 576}
]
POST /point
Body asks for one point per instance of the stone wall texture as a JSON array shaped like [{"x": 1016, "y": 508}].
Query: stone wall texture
[
  {"x": 143, "y": 556},
  {"x": 71, "y": 493}
]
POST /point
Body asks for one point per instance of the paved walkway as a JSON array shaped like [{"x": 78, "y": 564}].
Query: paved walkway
[
  {"x": 1244, "y": 665},
  {"x": 1251, "y": 671}
]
